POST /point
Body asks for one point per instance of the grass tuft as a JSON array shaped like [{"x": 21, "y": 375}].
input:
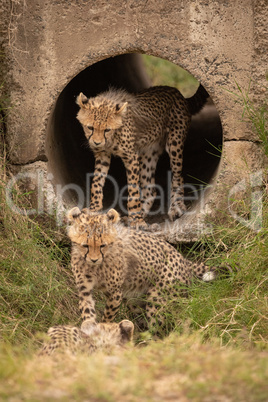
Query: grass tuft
[{"x": 257, "y": 117}]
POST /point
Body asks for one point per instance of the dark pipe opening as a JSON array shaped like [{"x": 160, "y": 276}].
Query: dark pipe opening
[{"x": 70, "y": 159}]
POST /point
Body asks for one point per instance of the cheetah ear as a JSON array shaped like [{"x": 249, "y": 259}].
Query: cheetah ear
[
  {"x": 82, "y": 101},
  {"x": 89, "y": 328},
  {"x": 113, "y": 215},
  {"x": 127, "y": 329},
  {"x": 121, "y": 108},
  {"x": 73, "y": 214}
]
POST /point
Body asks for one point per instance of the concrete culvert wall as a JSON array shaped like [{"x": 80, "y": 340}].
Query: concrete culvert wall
[{"x": 53, "y": 50}]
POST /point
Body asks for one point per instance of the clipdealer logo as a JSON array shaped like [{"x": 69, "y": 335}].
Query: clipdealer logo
[{"x": 50, "y": 198}]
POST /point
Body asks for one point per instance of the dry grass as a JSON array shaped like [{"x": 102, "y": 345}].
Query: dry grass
[{"x": 180, "y": 368}]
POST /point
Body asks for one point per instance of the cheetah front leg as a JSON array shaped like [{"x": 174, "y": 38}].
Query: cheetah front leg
[
  {"x": 112, "y": 306},
  {"x": 114, "y": 270},
  {"x": 174, "y": 147},
  {"x": 148, "y": 161},
  {"x": 84, "y": 284},
  {"x": 154, "y": 308},
  {"x": 102, "y": 165},
  {"x": 133, "y": 181},
  {"x": 87, "y": 307}
]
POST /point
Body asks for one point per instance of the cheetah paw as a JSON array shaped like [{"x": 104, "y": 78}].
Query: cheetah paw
[
  {"x": 136, "y": 223},
  {"x": 176, "y": 211}
]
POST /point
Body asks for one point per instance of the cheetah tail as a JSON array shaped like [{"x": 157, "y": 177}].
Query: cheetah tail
[
  {"x": 198, "y": 100},
  {"x": 208, "y": 274}
]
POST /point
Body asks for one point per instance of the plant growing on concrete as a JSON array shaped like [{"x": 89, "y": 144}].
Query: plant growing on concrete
[{"x": 258, "y": 117}]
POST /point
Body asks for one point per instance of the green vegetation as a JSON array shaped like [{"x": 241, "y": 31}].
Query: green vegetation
[
  {"x": 216, "y": 351},
  {"x": 36, "y": 288},
  {"x": 170, "y": 74}
]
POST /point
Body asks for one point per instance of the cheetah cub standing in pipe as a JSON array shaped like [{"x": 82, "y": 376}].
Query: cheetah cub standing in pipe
[
  {"x": 138, "y": 128},
  {"x": 125, "y": 264},
  {"x": 104, "y": 336}
]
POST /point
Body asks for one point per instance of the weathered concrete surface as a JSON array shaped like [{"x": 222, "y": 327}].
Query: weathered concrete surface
[{"x": 48, "y": 43}]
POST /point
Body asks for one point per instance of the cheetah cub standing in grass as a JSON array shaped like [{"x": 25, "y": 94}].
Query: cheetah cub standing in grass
[
  {"x": 103, "y": 336},
  {"x": 138, "y": 128},
  {"x": 125, "y": 264}
]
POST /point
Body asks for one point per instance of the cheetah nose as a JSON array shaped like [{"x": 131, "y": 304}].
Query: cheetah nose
[
  {"x": 94, "y": 260},
  {"x": 97, "y": 143}
]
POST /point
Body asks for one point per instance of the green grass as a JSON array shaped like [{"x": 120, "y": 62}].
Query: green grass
[
  {"x": 233, "y": 308},
  {"x": 36, "y": 284},
  {"x": 36, "y": 288}
]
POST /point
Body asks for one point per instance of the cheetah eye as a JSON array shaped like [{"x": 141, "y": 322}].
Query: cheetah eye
[
  {"x": 90, "y": 128},
  {"x": 103, "y": 245},
  {"x": 107, "y": 130},
  {"x": 85, "y": 245}
]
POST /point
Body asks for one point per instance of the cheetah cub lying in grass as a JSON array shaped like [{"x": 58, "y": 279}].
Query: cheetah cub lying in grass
[
  {"x": 138, "y": 128},
  {"x": 103, "y": 336},
  {"x": 125, "y": 264}
]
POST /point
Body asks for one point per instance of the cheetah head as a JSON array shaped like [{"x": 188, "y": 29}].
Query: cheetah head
[
  {"x": 92, "y": 233},
  {"x": 100, "y": 117},
  {"x": 91, "y": 337},
  {"x": 110, "y": 333}
]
